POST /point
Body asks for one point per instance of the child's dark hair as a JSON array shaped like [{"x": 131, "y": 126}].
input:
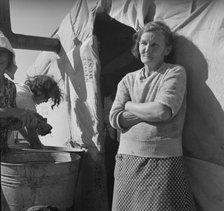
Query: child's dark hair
[
  {"x": 46, "y": 85},
  {"x": 154, "y": 26}
]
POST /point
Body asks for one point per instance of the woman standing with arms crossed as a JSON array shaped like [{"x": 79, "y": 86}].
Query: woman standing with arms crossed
[{"x": 149, "y": 111}]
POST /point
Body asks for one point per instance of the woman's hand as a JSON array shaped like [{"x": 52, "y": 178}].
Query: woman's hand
[
  {"x": 127, "y": 120},
  {"x": 126, "y": 105}
]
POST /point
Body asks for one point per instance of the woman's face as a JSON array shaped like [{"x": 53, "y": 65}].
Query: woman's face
[
  {"x": 4, "y": 60},
  {"x": 153, "y": 48}
]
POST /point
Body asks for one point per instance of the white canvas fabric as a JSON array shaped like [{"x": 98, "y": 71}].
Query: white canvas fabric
[
  {"x": 208, "y": 187},
  {"x": 131, "y": 13},
  {"x": 200, "y": 48},
  {"x": 78, "y": 120}
]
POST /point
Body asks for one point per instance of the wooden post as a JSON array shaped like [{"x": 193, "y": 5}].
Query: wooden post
[{"x": 24, "y": 41}]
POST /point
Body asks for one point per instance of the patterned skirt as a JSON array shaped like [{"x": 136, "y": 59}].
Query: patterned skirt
[{"x": 151, "y": 184}]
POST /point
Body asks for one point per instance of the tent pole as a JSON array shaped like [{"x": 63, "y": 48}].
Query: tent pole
[{"x": 21, "y": 41}]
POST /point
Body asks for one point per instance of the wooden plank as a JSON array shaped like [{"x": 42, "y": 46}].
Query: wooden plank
[{"x": 21, "y": 41}]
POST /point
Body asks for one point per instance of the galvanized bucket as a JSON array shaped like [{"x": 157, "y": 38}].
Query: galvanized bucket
[{"x": 30, "y": 178}]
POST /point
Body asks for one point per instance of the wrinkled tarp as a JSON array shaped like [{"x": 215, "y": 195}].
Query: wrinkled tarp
[
  {"x": 199, "y": 46},
  {"x": 77, "y": 68}
]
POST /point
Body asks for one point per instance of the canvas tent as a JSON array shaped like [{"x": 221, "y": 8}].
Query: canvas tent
[{"x": 95, "y": 54}]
